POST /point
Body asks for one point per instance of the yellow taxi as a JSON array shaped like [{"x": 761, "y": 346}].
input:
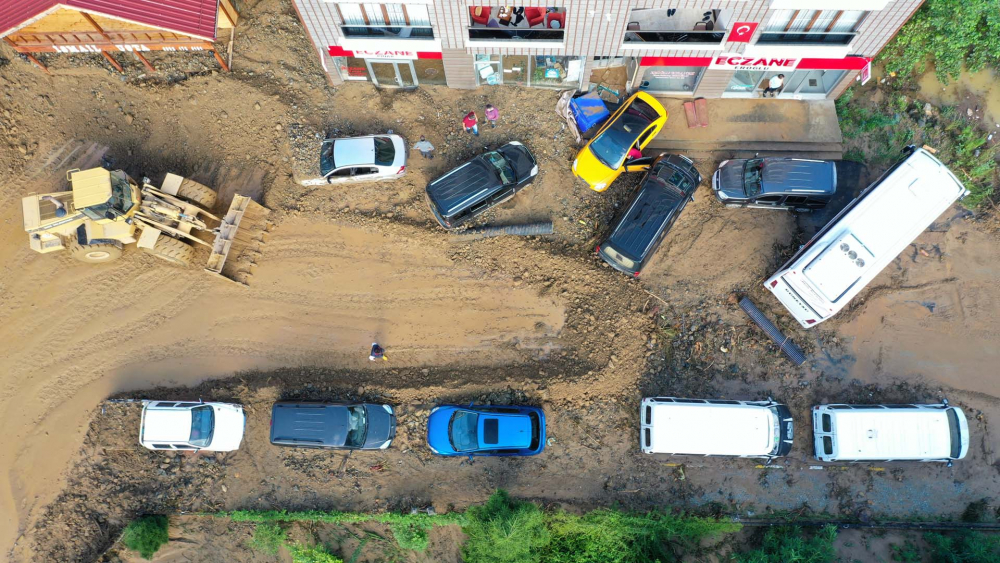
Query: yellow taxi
[{"x": 633, "y": 126}]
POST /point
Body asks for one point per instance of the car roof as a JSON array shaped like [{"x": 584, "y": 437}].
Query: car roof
[
  {"x": 351, "y": 152},
  {"x": 504, "y": 430},
  {"x": 653, "y": 206},
  {"x": 463, "y": 186},
  {"x": 711, "y": 429},
  {"x": 796, "y": 175},
  {"x": 891, "y": 433},
  {"x": 168, "y": 425},
  {"x": 319, "y": 423}
]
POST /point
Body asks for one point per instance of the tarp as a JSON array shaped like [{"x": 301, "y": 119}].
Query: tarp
[{"x": 588, "y": 110}]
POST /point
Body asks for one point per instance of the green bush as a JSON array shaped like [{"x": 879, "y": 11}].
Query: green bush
[
  {"x": 146, "y": 534},
  {"x": 311, "y": 554},
  {"x": 611, "y": 536},
  {"x": 788, "y": 544},
  {"x": 267, "y": 538},
  {"x": 951, "y": 32},
  {"x": 964, "y": 547},
  {"x": 504, "y": 531},
  {"x": 411, "y": 535}
]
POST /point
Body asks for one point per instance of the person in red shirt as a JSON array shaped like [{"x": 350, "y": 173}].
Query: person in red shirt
[{"x": 471, "y": 123}]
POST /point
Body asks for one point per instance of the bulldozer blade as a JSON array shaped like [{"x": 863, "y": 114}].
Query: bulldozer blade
[{"x": 239, "y": 239}]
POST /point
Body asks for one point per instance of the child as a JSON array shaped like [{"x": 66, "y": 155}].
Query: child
[
  {"x": 377, "y": 353},
  {"x": 471, "y": 123},
  {"x": 492, "y": 115}
]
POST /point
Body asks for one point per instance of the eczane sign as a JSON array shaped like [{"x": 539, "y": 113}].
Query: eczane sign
[{"x": 743, "y": 62}]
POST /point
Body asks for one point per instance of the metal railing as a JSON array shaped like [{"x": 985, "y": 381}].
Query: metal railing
[
  {"x": 387, "y": 31},
  {"x": 805, "y": 37},
  {"x": 675, "y": 36},
  {"x": 495, "y": 34}
]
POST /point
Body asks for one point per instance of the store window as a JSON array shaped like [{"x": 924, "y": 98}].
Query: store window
[
  {"x": 515, "y": 69},
  {"x": 550, "y": 71},
  {"x": 837, "y": 27},
  {"x": 351, "y": 68},
  {"x": 671, "y": 79},
  {"x": 744, "y": 82},
  {"x": 392, "y": 21},
  {"x": 430, "y": 71},
  {"x": 506, "y": 23},
  {"x": 488, "y": 70}
]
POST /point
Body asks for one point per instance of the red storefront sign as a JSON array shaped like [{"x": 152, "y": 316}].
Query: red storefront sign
[
  {"x": 740, "y": 62},
  {"x": 847, "y": 63},
  {"x": 336, "y": 51},
  {"x": 742, "y": 32}
]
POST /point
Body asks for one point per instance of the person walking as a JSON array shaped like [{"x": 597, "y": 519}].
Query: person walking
[
  {"x": 492, "y": 115},
  {"x": 425, "y": 147},
  {"x": 377, "y": 353},
  {"x": 471, "y": 123},
  {"x": 774, "y": 85}
]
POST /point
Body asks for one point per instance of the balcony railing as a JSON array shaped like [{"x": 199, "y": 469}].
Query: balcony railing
[
  {"x": 494, "y": 34},
  {"x": 675, "y": 36},
  {"x": 805, "y": 38},
  {"x": 387, "y": 32}
]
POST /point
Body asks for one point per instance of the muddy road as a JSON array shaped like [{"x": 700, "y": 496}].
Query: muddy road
[{"x": 539, "y": 320}]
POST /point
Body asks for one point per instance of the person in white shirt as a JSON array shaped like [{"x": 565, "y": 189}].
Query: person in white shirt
[
  {"x": 774, "y": 85},
  {"x": 425, "y": 147}
]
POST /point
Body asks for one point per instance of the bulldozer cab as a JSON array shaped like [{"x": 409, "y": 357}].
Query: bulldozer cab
[{"x": 104, "y": 195}]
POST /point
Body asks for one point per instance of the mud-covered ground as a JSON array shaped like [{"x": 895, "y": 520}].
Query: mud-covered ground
[{"x": 538, "y": 320}]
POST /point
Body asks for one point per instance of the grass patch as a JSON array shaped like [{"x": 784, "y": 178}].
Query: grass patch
[
  {"x": 505, "y": 531},
  {"x": 789, "y": 544},
  {"x": 146, "y": 534},
  {"x": 267, "y": 538},
  {"x": 876, "y": 132},
  {"x": 963, "y": 547},
  {"x": 311, "y": 554}
]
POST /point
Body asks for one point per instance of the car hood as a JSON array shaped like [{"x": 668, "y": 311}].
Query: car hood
[
  {"x": 792, "y": 175},
  {"x": 731, "y": 179},
  {"x": 591, "y": 170},
  {"x": 381, "y": 426},
  {"x": 228, "y": 432},
  {"x": 437, "y": 430},
  {"x": 518, "y": 157}
]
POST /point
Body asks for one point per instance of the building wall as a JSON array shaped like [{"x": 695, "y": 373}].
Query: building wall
[{"x": 596, "y": 28}]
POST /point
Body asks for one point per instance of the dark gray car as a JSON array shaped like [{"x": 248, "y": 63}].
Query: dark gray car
[
  {"x": 352, "y": 426},
  {"x": 775, "y": 183}
]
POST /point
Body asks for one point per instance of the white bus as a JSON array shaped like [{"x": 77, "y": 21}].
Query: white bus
[
  {"x": 868, "y": 234},
  {"x": 890, "y": 433}
]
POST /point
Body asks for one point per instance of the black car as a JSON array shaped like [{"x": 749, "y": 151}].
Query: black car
[
  {"x": 481, "y": 183},
  {"x": 351, "y": 426},
  {"x": 666, "y": 189},
  {"x": 775, "y": 183}
]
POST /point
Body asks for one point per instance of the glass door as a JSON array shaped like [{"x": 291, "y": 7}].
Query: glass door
[
  {"x": 743, "y": 84},
  {"x": 392, "y": 74}
]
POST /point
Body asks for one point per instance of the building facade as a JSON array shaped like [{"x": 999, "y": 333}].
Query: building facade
[{"x": 693, "y": 48}]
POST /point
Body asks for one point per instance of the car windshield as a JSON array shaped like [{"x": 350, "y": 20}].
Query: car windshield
[
  {"x": 385, "y": 153},
  {"x": 357, "y": 426},
  {"x": 464, "y": 425},
  {"x": 202, "y": 425},
  {"x": 503, "y": 169},
  {"x": 326, "y": 163},
  {"x": 611, "y": 146},
  {"x": 751, "y": 176}
]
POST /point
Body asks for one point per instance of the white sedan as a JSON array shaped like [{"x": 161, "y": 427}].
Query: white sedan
[
  {"x": 360, "y": 159},
  {"x": 191, "y": 426}
]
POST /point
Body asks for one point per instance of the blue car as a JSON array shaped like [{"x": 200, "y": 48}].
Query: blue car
[{"x": 488, "y": 431}]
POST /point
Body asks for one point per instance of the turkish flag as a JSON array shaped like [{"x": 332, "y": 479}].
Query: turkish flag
[{"x": 741, "y": 32}]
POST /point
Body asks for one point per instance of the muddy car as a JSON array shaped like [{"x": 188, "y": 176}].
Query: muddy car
[
  {"x": 360, "y": 159},
  {"x": 191, "y": 426},
  {"x": 775, "y": 183},
  {"x": 481, "y": 183},
  {"x": 647, "y": 219},
  {"x": 346, "y": 426}
]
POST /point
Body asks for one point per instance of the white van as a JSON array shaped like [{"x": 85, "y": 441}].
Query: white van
[
  {"x": 890, "y": 433},
  {"x": 715, "y": 427},
  {"x": 868, "y": 234}
]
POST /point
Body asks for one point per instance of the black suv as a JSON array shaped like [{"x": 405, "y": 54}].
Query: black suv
[
  {"x": 775, "y": 183},
  {"x": 350, "y": 426},
  {"x": 485, "y": 181},
  {"x": 666, "y": 189}
]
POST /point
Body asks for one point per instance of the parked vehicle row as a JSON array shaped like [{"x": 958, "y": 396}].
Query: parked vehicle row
[{"x": 668, "y": 425}]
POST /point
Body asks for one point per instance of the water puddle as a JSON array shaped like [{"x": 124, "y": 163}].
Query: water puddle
[{"x": 982, "y": 85}]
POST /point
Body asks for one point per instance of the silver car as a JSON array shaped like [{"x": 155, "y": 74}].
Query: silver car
[{"x": 360, "y": 159}]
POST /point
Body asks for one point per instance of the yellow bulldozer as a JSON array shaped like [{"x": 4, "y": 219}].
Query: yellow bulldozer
[{"x": 106, "y": 209}]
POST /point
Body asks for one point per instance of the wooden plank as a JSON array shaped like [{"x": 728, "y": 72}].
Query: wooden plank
[
  {"x": 691, "y": 114},
  {"x": 113, "y": 62},
  {"x": 144, "y": 61},
  {"x": 701, "y": 108}
]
